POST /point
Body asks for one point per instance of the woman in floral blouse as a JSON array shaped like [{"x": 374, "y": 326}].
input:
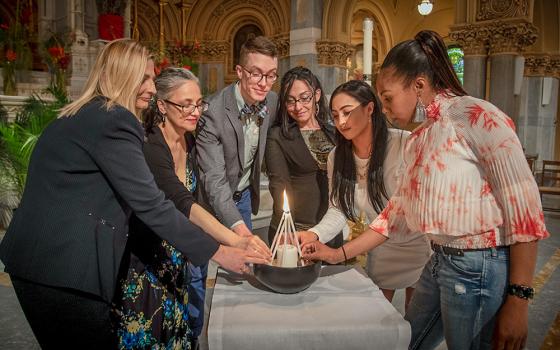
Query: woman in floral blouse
[{"x": 466, "y": 184}]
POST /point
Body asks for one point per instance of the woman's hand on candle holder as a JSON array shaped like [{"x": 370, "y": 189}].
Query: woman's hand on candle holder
[
  {"x": 235, "y": 259},
  {"x": 255, "y": 247},
  {"x": 306, "y": 236},
  {"x": 316, "y": 250}
]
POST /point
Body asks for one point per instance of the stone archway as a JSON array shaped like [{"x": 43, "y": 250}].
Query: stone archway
[{"x": 216, "y": 22}]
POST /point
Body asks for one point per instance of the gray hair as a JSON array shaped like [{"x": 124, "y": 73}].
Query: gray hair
[
  {"x": 166, "y": 82},
  {"x": 170, "y": 79}
]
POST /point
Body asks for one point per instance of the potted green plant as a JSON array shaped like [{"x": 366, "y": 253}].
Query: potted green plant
[
  {"x": 110, "y": 22},
  {"x": 17, "y": 140}
]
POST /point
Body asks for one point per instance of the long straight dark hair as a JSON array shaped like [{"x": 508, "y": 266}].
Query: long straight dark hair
[
  {"x": 282, "y": 118},
  {"x": 344, "y": 172},
  {"x": 425, "y": 55}
]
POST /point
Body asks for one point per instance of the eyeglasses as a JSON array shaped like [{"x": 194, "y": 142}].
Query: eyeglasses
[
  {"x": 346, "y": 114},
  {"x": 256, "y": 77},
  {"x": 189, "y": 109},
  {"x": 305, "y": 99}
]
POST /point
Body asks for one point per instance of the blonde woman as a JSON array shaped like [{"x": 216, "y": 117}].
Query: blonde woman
[{"x": 87, "y": 175}]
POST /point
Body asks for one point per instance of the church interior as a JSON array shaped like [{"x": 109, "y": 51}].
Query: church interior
[{"x": 503, "y": 51}]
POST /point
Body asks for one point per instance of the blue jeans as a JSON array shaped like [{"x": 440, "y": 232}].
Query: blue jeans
[
  {"x": 244, "y": 207},
  {"x": 457, "y": 298},
  {"x": 196, "y": 287}
]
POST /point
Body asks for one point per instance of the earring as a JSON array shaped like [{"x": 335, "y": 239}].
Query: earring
[
  {"x": 420, "y": 113},
  {"x": 163, "y": 119},
  {"x": 316, "y": 109}
]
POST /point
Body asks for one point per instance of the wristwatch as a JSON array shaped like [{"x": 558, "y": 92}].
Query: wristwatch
[{"x": 521, "y": 291}]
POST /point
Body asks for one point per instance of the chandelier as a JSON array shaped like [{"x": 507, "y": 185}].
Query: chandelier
[{"x": 425, "y": 7}]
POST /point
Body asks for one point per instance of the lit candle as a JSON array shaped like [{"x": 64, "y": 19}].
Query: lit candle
[
  {"x": 368, "y": 34},
  {"x": 285, "y": 245},
  {"x": 287, "y": 255}
]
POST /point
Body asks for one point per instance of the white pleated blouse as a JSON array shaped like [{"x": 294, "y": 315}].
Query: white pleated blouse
[{"x": 465, "y": 181}]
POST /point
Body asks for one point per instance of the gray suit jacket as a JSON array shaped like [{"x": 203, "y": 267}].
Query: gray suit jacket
[{"x": 220, "y": 146}]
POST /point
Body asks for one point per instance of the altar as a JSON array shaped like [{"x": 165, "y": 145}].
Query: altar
[{"x": 343, "y": 309}]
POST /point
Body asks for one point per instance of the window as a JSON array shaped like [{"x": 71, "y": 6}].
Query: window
[{"x": 456, "y": 56}]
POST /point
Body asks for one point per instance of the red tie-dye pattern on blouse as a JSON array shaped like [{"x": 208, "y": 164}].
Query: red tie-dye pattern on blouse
[{"x": 465, "y": 181}]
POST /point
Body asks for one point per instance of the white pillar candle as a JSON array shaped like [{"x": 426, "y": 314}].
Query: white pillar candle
[
  {"x": 368, "y": 36},
  {"x": 287, "y": 255}
]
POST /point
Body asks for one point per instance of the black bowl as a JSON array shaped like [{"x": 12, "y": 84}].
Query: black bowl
[{"x": 287, "y": 280}]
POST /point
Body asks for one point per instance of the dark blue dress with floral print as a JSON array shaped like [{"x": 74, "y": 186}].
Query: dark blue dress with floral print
[{"x": 151, "y": 308}]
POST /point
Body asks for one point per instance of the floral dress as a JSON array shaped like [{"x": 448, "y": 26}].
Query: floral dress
[{"x": 151, "y": 309}]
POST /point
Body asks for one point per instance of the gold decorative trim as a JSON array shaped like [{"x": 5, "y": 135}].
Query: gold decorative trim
[
  {"x": 282, "y": 45},
  {"x": 498, "y": 9},
  {"x": 472, "y": 39},
  {"x": 496, "y": 37},
  {"x": 213, "y": 51},
  {"x": 333, "y": 53},
  {"x": 542, "y": 65}
]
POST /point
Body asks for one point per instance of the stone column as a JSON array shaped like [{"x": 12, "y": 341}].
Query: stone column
[
  {"x": 46, "y": 15},
  {"x": 538, "y": 125},
  {"x": 212, "y": 72},
  {"x": 506, "y": 42},
  {"x": 80, "y": 63},
  {"x": 474, "y": 78},
  {"x": 333, "y": 56},
  {"x": 305, "y": 31},
  {"x": 502, "y": 75},
  {"x": 127, "y": 19}
]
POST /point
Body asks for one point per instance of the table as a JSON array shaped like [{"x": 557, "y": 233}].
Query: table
[{"x": 343, "y": 309}]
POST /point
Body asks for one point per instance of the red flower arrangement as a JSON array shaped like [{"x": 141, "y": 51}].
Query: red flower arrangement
[
  {"x": 57, "y": 58},
  {"x": 178, "y": 55},
  {"x": 11, "y": 55}
]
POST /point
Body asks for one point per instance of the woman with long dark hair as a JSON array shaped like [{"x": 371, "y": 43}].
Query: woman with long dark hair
[
  {"x": 363, "y": 171},
  {"x": 467, "y": 186},
  {"x": 296, "y": 151}
]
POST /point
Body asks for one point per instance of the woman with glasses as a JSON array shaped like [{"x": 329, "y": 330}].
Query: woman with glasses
[
  {"x": 161, "y": 301},
  {"x": 296, "y": 151},
  {"x": 363, "y": 175}
]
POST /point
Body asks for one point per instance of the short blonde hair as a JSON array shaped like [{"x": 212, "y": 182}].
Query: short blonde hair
[{"x": 117, "y": 74}]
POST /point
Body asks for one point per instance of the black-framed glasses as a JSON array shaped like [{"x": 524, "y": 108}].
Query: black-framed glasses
[
  {"x": 303, "y": 99},
  {"x": 189, "y": 109},
  {"x": 256, "y": 77},
  {"x": 346, "y": 114}
]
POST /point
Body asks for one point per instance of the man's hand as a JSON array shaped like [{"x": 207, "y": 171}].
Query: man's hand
[
  {"x": 510, "y": 331},
  {"x": 242, "y": 230},
  {"x": 235, "y": 259}
]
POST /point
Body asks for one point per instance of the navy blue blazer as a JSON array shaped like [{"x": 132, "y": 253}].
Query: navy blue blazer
[{"x": 86, "y": 177}]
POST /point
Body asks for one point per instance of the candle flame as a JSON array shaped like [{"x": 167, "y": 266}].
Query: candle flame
[{"x": 286, "y": 205}]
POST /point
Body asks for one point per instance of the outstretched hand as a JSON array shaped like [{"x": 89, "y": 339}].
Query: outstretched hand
[
  {"x": 255, "y": 247},
  {"x": 306, "y": 236},
  {"x": 235, "y": 259},
  {"x": 316, "y": 250}
]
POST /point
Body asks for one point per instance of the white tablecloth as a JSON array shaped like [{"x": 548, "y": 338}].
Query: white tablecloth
[{"x": 343, "y": 309}]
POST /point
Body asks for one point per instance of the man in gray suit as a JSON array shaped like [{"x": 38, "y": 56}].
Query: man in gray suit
[{"x": 232, "y": 136}]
